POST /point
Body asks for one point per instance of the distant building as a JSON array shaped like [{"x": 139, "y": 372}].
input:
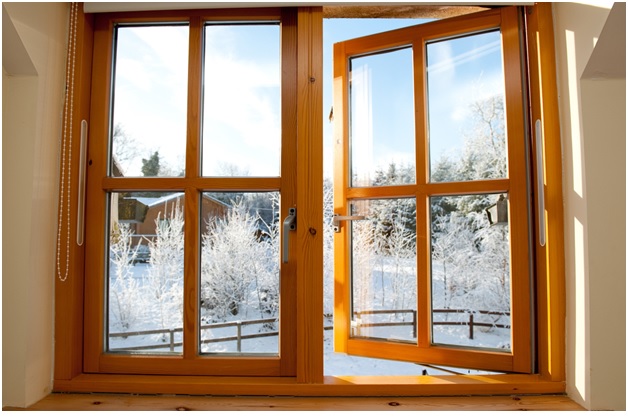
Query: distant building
[{"x": 144, "y": 213}]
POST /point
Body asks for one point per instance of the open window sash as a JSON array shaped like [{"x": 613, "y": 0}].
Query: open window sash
[{"x": 432, "y": 254}]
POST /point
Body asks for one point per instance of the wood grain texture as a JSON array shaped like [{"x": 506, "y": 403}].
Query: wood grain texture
[
  {"x": 550, "y": 262},
  {"x": 309, "y": 274},
  {"x": 332, "y": 386},
  {"x": 69, "y": 293},
  {"x": 125, "y": 402}
]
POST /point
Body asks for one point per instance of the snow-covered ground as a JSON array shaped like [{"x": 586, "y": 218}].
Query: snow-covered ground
[{"x": 335, "y": 364}]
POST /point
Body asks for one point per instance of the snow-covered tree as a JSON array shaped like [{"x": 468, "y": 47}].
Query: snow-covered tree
[
  {"x": 164, "y": 280},
  {"x": 239, "y": 266},
  {"x": 124, "y": 291},
  {"x": 484, "y": 151},
  {"x": 362, "y": 266},
  {"x": 384, "y": 253},
  {"x": 472, "y": 258},
  {"x": 471, "y": 262}
]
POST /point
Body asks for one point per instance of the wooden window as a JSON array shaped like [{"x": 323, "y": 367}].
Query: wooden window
[
  {"x": 192, "y": 131},
  {"x": 404, "y": 98},
  {"x": 85, "y": 360}
]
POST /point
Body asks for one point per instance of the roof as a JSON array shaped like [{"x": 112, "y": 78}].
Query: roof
[{"x": 156, "y": 201}]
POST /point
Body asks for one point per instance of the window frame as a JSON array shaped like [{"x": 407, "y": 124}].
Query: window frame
[
  {"x": 520, "y": 359},
  {"x": 190, "y": 361},
  {"x": 70, "y": 376}
]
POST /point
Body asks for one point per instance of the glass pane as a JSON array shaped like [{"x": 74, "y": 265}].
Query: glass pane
[
  {"x": 145, "y": 293},
  {"x": 465, "y": 82},
  {"x": 471, "y": 271},
  {"x": 239, "y": 290},
  {"x": 381, "y": 122},
  {"x": 150, "y": 101},
  {"x": 242, "y": 100},
  {"x": 383, "y": 270}
]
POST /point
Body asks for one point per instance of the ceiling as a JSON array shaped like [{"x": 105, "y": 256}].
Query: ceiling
[
  {"x": 330, "y": 9},
  {"x": 403, "y": 11}
]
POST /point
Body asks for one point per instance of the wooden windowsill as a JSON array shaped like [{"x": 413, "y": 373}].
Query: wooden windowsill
[
  {"x": 122, "y": 402},
  {"x": 332, "y": 386}
]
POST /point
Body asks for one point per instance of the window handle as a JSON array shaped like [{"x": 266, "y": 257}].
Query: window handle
[
  {"x": 539, "y": 181},
  {"x": 289, "y": 223},
  {"x": 337, "y": 219}
]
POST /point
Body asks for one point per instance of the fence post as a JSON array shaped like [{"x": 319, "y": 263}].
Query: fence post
[
  {"x": 239, "y": 328},
  {"x": 414, "y": 327},
  {"x": 471, "y": 326},
  {"x": 171, "y": 339}
]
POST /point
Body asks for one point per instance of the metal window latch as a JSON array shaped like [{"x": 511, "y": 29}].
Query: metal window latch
[
  {"x": 337, "y": 219},
  {"x": 289, "y": 223}
]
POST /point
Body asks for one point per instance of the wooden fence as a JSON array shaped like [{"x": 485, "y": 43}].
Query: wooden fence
[
  {"x": 471, "y": 323},
  {"x": 171, "y": 343}
]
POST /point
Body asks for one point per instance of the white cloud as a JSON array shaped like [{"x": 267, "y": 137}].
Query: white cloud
[{"x": 241, "y": 106}]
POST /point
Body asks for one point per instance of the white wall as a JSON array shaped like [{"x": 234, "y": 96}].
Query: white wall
[
  {"x": 591, "y": 134},
  {"x": 34, "y": 42},
  {"x": 594, "y": 159}
]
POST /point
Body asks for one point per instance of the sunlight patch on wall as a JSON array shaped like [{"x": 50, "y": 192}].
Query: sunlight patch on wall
[
  {"x": 580, "y": 314},
  {"x": 574, "y": 108}
]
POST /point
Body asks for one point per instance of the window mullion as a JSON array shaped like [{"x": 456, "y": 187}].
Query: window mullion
[
  {"x": 195, "y": 83},
  {"x": 192, "y": 171},
  {"x": 309, "y": 278},
  {"x": 422, "y": 200}
]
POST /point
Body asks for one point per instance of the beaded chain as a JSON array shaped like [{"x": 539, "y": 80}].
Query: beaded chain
[{"x": 66, "y": 143}]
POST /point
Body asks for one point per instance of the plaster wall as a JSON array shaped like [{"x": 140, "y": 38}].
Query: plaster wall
[
  {"x": 592, "y": 153},
  {"x": 32, "y": 102},
  {"x": 593, "y": 141}
]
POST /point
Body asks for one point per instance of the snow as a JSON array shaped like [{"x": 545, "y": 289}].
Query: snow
[
  {"x": 240, "y": 282},
  {"x": 335, "y": 364}
]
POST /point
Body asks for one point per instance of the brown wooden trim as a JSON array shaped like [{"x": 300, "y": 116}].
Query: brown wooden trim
[
  {"x": 191, "y": 275},
  {"x": 190, "y": 362},
  {"x": 341, "y": 188},
  {"x": 506, "y": 20},
  {"x": 178, "y": 184},
  {"x": 445, "y": 28},
  {"x": 191, "y": 313},
  {"x": 426, "y": 353},
  {"x": 330, "y": 386},
  {"x": 309, "y": 276},
  {"x": 289, "y": 189},
  {"x": 125, "y": 402},
  {"x": 68, "y": 361},
  {"x": 96, "y": 199},
  {"x": 190, "y": 365},
  {"x": 521, "y": 310},
  {"x": 489, "y": 186},
  {"x": 195, "y": 85},
  {"x": 550, "y": 260}
]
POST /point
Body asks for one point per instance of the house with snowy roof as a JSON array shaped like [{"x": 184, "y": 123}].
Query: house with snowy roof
[{"x": 144, "y": 214}]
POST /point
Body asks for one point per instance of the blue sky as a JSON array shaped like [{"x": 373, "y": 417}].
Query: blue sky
[
  {"x": 241, "y": 116},
  {"x": 337, "y": 30}
]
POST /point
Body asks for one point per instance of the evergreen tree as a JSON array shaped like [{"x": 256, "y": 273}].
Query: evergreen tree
[{"x": 150, "y": 166}]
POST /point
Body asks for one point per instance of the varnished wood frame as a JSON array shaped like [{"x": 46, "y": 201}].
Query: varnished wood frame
[
  {"x": 190, "y": 362},
  {"x": 506, "y": 20},
  {"x": 550, "y": 259},
  {"x": 70, "y": 377}
]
